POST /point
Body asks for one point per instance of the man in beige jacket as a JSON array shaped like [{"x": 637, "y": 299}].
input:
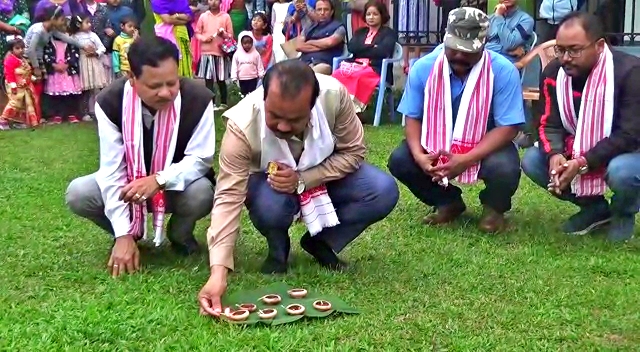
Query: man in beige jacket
[{"x": 305, "y": 126}]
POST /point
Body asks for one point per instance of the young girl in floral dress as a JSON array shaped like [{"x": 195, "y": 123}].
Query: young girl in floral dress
[
  {"x": 22, "y": 109},
  {"x": 63, "y": 85},
  {"x": 92, "y": 72}
]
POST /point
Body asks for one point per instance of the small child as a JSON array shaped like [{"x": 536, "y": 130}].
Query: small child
[
  {"x": 246, "y": 66},
  {"x": 92, "y": 72},
  {"x": 63, "y": 86},
  {"x": 263, "y": 41},
  {"x": 22, "y": 108},
  {"x": 39, "y": 35},
  {"x": 212, "y": 28},
  {"x": 121, "y": 45}
]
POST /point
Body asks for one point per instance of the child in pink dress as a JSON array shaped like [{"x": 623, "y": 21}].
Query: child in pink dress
[
  {"x": 246, "y": 66},
  {"x": 63, "y": 87}
]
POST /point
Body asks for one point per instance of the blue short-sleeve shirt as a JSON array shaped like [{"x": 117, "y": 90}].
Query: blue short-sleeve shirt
[{"x": 506, "y": 104}]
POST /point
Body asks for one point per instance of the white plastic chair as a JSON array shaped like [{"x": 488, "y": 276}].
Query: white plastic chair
[{"x": 382, "y": 89}]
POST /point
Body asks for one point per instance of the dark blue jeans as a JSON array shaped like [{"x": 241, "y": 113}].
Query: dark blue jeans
[
  {"x": 622, "y": 177},
  {"x": 500, "y": 172},
  {"x": 361, "y": 199}
]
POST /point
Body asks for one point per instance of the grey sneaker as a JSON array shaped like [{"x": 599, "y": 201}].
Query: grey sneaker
[
  {"x": 621, "y": 228},
  {"x": 587, "y": 219}
]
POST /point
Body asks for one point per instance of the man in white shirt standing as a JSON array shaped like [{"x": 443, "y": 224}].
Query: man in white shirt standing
[{"x": 156, "y": 154}]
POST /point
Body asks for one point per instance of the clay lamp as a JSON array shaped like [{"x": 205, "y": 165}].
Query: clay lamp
[
  {"x": 271, "y": 299},
  {"x": 248, "y": 306},
  {"x": 238, "y": 315},
  {"x": 321, "y": 305},
  {"x": 297, "y": 293},
  {"x": 268, "y": 313},
  {"x": 294, "y": 309}
]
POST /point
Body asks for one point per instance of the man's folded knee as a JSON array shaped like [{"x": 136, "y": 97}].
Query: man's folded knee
[
  {"x": 78, "y": 197},
  {"x": 533, "y": 160},
  {"x": 273, "y": 213},
  {"x": 388, "y": 193},
  {"x": 622, "y": 173},
  {"x": 399, "y": 160},
  {"x": 197, "y": 198}
]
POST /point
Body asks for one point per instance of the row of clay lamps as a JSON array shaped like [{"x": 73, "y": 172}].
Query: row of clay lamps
[{"x": 293, "y": 309}]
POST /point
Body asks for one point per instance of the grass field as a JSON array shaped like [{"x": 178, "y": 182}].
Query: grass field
[{"x": 419, "y": 288}]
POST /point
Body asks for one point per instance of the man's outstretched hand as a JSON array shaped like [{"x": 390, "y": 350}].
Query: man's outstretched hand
[
  {"x": 125, "y": 257},
  {"x": 210, "y": 295}
]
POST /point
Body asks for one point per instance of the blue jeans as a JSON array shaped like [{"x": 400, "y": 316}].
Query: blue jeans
[
  {"x": 361, "y": 199},
  {"x": 622, "y": 177},
  {"x": 500, "y": 172}
]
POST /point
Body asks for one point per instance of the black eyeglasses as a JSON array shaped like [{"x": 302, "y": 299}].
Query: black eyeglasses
[{"x": 572, "y": 52}]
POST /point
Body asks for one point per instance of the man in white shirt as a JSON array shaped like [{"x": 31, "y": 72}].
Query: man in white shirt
[{"x": 156, "y": 154}]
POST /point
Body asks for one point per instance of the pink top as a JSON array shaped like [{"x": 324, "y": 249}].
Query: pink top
[
  {"x": 246, "y": 65},
  {"x": 208, "y": 26}
]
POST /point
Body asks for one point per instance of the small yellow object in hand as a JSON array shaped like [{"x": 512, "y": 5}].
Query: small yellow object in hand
[{"x": 272, "y": 168}]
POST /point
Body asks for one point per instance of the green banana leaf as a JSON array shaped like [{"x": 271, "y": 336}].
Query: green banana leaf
[{"x": 253, "y": 296}]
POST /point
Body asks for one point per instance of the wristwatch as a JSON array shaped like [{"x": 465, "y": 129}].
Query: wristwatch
[
  {"x": 582, "y": 163},
  {"x": 301, "y": 185},
  {"x": 161, "y": 181}
]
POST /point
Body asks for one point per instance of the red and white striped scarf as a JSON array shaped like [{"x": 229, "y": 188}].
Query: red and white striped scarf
[
  {"x": 438, "y": 132},
  {"x": 593, "y": 122},
  {"x": 165, "y": 122}
]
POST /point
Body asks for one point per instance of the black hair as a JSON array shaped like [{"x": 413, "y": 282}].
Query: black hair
[
  {"x": 76, "y": 22},
  {"x": 381, "y": 7},
  {"x": 332, "y": 6},
  {"x": 13, "y": 42},
  {"x": 292, "y": 77},
  {"x": 591, "y": 24},
  {"x": 267, "y": 22},
  {"x": 126, "y": 19},
  {"x": 52, "y": 12},
  {"x": 150, "y": 51}
]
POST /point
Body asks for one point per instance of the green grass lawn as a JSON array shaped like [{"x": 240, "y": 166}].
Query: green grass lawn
[{"x": 419, "y": 288}]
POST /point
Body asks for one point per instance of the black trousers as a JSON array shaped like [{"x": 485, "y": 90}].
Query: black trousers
[
  {"x": 248, "y": 85},
  {"x": 222, "y": 87}
]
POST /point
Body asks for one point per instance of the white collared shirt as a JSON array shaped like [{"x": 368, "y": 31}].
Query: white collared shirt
[{"x": 112, "y": 175}]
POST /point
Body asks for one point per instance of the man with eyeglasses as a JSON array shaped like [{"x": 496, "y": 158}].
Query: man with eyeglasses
[{"x": 589, "y": 131}]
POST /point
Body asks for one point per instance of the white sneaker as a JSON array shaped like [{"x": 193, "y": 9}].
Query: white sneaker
[{"x": 87, "y": 118}]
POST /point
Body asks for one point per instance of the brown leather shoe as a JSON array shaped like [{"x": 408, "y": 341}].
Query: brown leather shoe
[
  {"x": 445, "y": 214},
  {"x": 491, "y": 221}
]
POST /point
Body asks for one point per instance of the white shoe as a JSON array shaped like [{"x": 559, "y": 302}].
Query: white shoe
[{"x": 87, "y": 118}]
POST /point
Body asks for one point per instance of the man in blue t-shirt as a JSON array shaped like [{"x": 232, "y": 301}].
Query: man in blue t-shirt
[{"x": 466, "y": 77}]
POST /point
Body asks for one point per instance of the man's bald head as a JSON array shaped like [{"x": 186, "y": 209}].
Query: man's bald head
[
  {"x": 290, "y": 92},
  {"x": 290, "y": 78}
]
